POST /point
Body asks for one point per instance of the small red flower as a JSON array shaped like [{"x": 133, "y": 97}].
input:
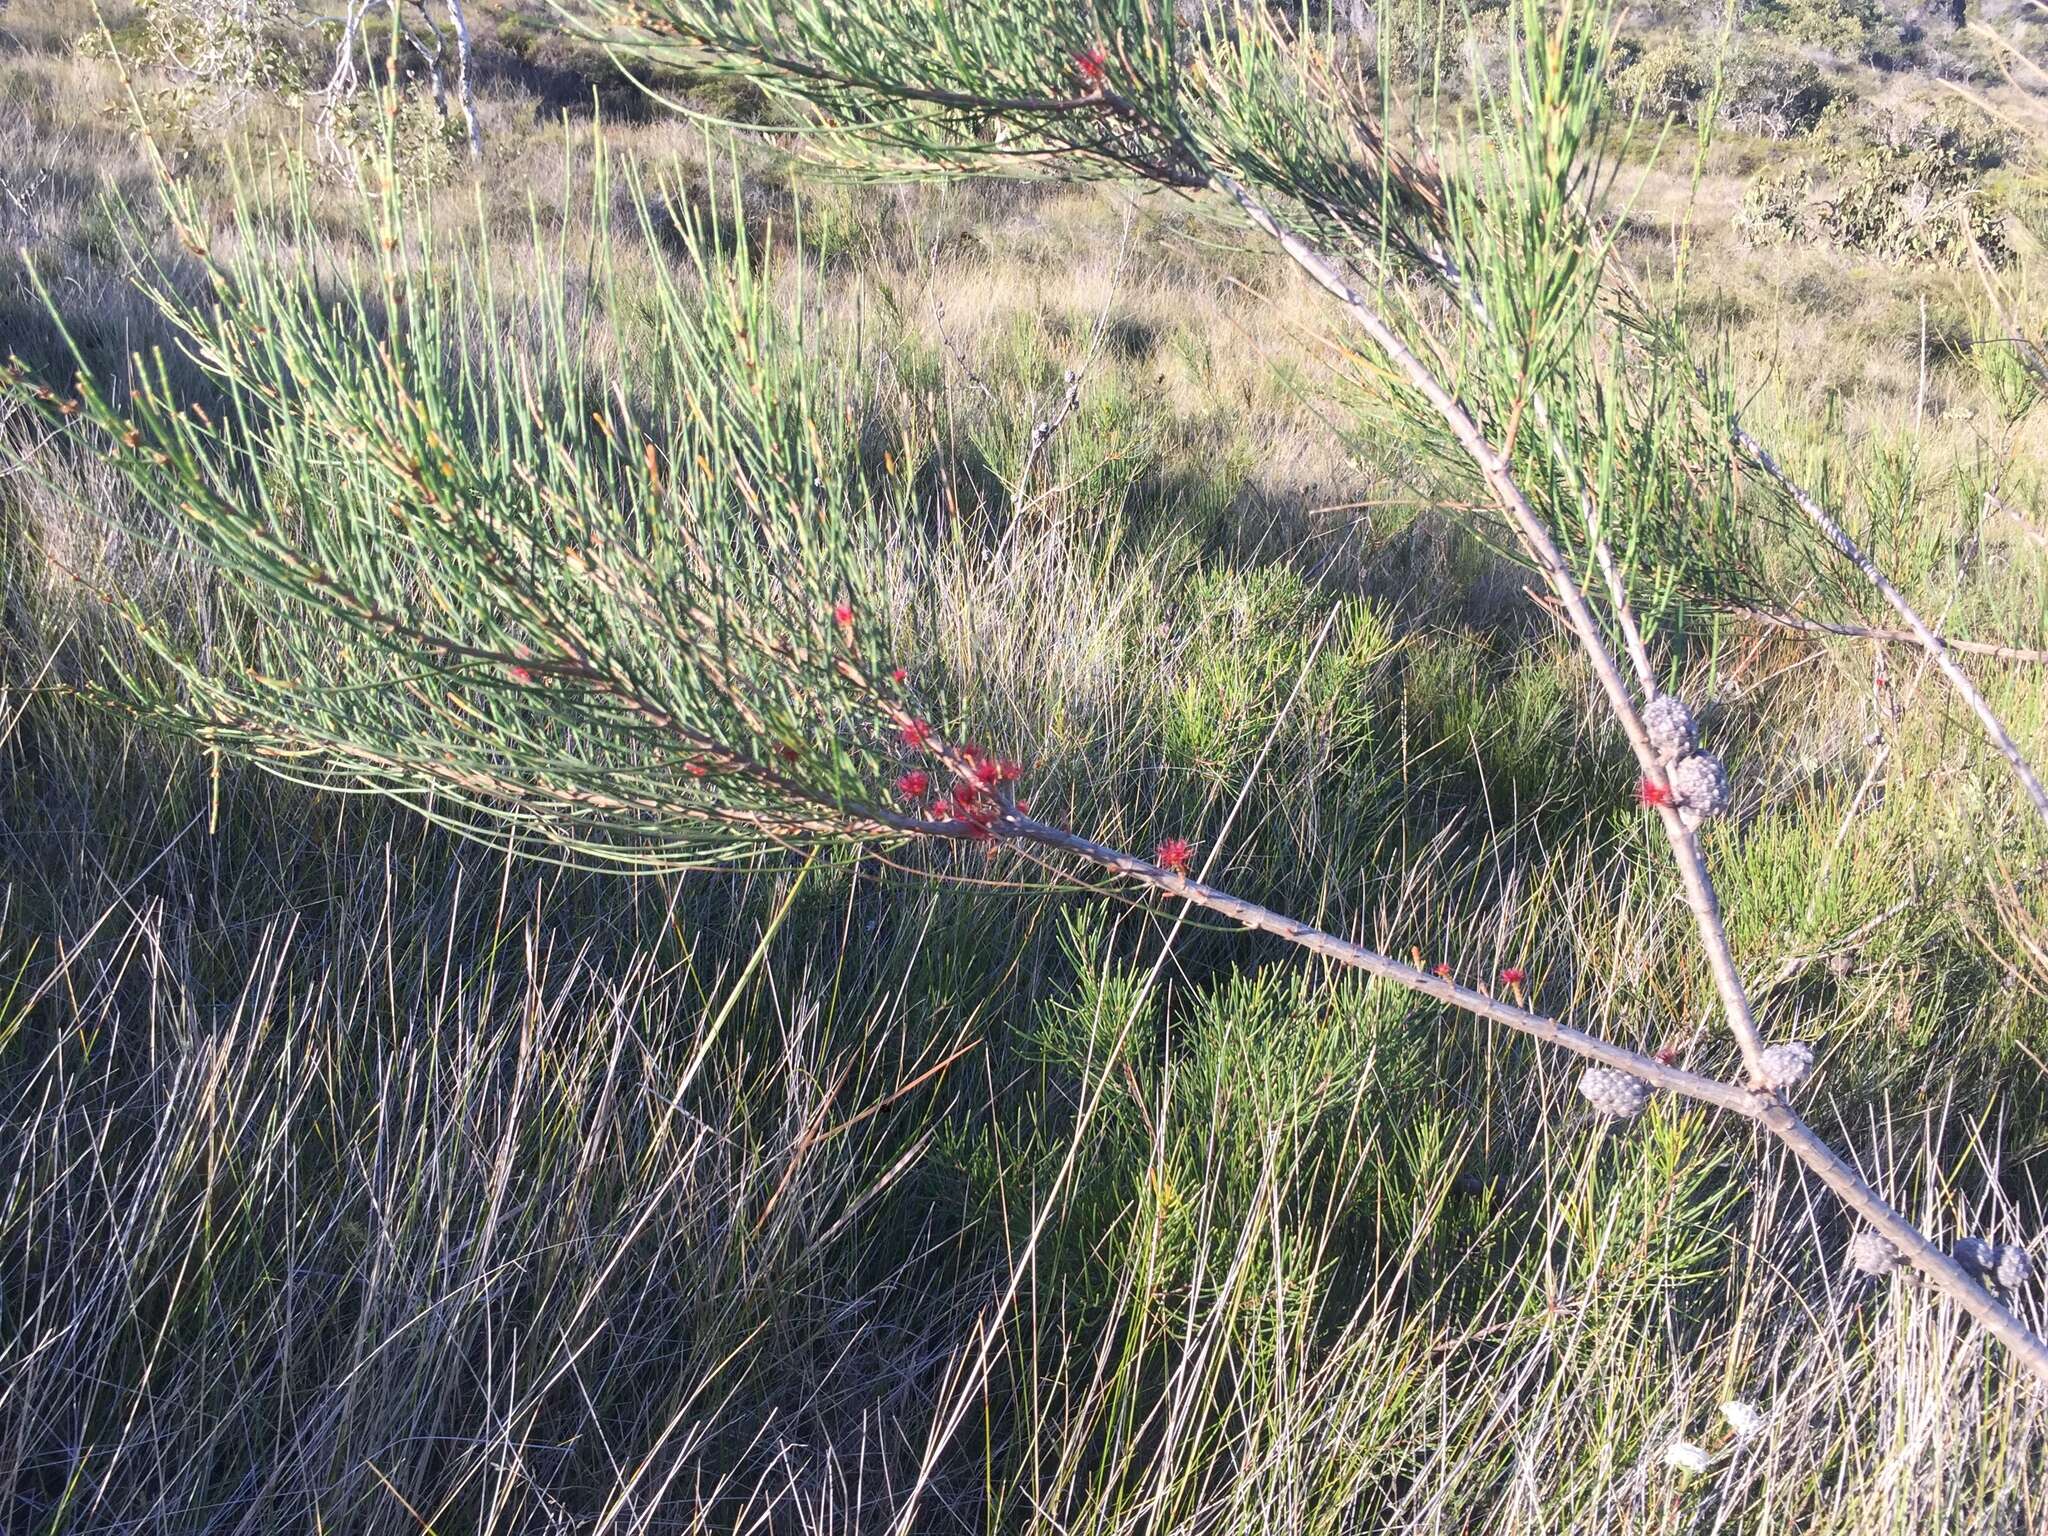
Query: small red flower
[
  {"x": 787, "y": 753},
  {"x": 1441, "y": 968},
  {"x": 1091, "y": 62},
  {"x": 1174, "y": 854},
  {"x": 523, "y": 675},
  {"x": 942, "y": 809},
  {"x": 988, "y": 771},
  {"x": 842, "y": 615},
  {"x": 1008, "y": 771},
  {"x": 1667, "y": 1054},
  {"x": 897, "y": 674},
  {"x": 1650, "y": 792},
  {"x": 1513, "y": 976},
  {"x": 695, "y": 768},
  {"x": 966, "y": 792},
  {"x": 914, "y": 783},
  {"x": 917, "y": 735}
]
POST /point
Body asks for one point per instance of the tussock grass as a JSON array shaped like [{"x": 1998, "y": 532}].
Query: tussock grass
[{"x": 356, "y": 1180}]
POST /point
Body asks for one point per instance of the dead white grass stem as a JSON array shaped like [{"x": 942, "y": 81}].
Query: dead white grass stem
[{"x": 1048, "y": 426}]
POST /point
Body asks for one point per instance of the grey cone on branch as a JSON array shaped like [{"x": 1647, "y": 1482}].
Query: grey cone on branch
[
  {"x": 1699, "y": 785},
  {"x": 1787, "y": 1064},
  {"x": 1872, "y": 1253},
  {"x": 1614, "y": 1093},
  {"x": 1671, "y": 730},
  {"x": 2015, "y": 1267}
]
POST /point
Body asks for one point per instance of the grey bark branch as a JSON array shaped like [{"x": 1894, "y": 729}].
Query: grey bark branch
[
  {"x": 432, "y": 58},
  {"x": 462, "y": 84},
  {"x": 342, "y": 81},
  {"x": 1543, "y": 550},
  {"x": 1763, "y": 1106}
]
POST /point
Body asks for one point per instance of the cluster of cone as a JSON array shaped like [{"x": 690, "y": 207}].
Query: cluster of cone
[
  {"x": 1699, "y": 790},
  {"x": 1699, "y": 784},
  {"x": 1622, "y": 1095},
  {"x": 2004, "y": 1264}
]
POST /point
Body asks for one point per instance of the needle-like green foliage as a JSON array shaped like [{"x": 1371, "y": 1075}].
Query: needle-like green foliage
[
  {"x": 629, "y": 614},
  {"x": 475, "y": 564},
  {"x": 531, "y": 597},
  {"x": 1493, "y": 258},
  {"x": 472, "y": 566}
]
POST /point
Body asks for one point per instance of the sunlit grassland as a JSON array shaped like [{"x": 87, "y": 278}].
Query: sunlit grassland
[{"x": 358, "y": 1179}]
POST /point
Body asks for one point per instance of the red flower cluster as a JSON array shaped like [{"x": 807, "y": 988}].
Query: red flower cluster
[
  {"x": 842, "y": 615},
  {"x": 1175, "y": 853},
  {"x": 1093, "y": 64},
  {"x": 977, "y": 775},
  {"x": 1513, "y": 976},
  {"x": 522, "y": 675},
  {"x": 1442, "y": 968},
  {"x": 897, "y": 675},
  {"x": 978, "y": 813},
  {"x": 986, "y": 771},
  {"x": 1649, "y": 792}
]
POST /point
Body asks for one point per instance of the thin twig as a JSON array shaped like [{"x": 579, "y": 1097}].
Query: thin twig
[
  {"x": 2035, "y": 535},
  {"x": 1631, "y": 634},
  {"x": 1898, "y": 636},
  {"x": 1935, "y": 647},
  {"x": 1044, "y": 430},
  {"x": 1792, "y": 965}
]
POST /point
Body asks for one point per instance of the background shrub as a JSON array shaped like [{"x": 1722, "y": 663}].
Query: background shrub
[
  {"x": 1669, "y": 80},
  {"x": 1769, "y": 90},
  {"x": 1849, "y": 29}
]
